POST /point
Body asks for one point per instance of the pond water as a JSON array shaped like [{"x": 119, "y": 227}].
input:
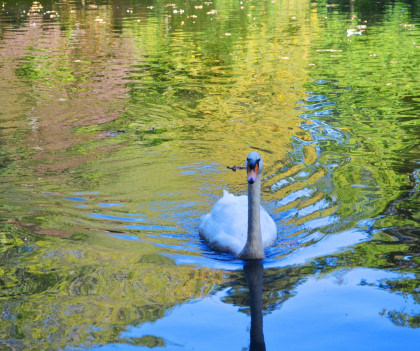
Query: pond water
[{"x": 118, "y": 121}]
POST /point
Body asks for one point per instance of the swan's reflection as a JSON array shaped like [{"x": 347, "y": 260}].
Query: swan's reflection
[{"x": 254, "y": 277}]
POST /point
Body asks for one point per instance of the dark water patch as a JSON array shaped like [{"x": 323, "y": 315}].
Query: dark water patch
[{"x": 149, "y": 227}]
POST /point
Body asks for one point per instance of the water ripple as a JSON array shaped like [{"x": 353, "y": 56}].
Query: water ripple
[
  {"x": 308, "y": 212},
  {"x": 116, "y": 218}
]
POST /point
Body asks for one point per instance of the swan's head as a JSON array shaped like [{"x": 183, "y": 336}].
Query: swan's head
[{"x": 254, "y": 166}]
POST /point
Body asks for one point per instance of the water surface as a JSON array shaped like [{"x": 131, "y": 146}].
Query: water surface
[{"x": 118, "y": 122}]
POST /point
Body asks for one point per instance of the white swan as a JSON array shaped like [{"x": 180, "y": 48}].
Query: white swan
[{"x": 237, "y": 225}]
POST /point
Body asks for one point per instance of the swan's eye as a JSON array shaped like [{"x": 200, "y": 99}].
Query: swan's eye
[{"x": 253, "y": 164}]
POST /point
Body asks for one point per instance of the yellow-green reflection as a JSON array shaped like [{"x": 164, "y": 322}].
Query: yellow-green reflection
[{"x": 118, "y": 121}]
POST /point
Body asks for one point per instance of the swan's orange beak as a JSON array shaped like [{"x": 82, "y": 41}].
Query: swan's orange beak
[{"x": 252, "y": 174}]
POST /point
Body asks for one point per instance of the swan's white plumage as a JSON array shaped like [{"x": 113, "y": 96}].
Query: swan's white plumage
[{"x": 226, "y": 226}]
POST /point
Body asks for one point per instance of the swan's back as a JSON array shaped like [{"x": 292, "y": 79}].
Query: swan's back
[{"x": 226, "y": 226}]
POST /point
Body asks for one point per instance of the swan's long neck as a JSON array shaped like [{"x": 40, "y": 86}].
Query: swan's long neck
[
  {"x": 253, "y": 249},
  {"x": 254, "y": 227}
]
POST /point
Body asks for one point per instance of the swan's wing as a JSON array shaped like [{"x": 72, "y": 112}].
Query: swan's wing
[{"x": 225, "y": 227}]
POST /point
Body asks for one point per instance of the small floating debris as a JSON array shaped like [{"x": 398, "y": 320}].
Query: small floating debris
[
  {"x": 234, "y": 168},
  {"x": 114, "y": 133},
  {"x": 351, "y": 32},
  {"x": 51, "y": 14},
  {"x": 407, "y": 25},
  {"x": 328, "y": 50}
]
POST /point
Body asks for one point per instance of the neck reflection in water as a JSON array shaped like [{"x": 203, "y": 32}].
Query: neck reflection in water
[{"x": 254, "y": 277}]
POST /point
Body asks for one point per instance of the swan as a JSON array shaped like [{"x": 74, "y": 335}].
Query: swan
[{"x": 238, "y": 224}]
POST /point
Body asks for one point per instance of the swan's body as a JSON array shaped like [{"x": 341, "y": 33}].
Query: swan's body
[
  {"x": 226, "y": 226},
  {"x": 237, "y": 225}
]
